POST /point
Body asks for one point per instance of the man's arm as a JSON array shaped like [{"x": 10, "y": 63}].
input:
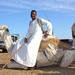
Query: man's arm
[
  {"x": 28, "y": 35},
  {"x": 49, "y": 27}
]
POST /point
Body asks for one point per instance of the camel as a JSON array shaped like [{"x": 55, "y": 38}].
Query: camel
[
  {"x": 73, "y": 34},
  {"x": 48, "y": 53}
]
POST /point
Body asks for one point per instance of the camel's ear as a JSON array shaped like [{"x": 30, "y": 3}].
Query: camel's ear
[{"x": 7, "y": 29}]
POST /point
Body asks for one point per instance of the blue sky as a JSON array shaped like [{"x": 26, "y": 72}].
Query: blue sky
[{"x": 16, "y": 15}]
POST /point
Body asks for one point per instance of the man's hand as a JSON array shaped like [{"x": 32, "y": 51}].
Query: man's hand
[
  {"x": 26, "y": 40},
  {"x": 45, "y": 34}
]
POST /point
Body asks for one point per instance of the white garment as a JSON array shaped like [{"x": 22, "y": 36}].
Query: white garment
[{"x": 28, "y": 53}]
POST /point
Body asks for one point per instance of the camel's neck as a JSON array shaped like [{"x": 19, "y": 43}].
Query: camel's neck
[{"x": 8, "y": 41}]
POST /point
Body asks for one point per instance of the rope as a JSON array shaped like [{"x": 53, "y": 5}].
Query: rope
[
  {"x": 12, "y": 57},
  {"x": 4, "y": 29}
]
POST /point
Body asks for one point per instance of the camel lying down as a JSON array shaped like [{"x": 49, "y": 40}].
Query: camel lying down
[{"x": 48, "y": 53}]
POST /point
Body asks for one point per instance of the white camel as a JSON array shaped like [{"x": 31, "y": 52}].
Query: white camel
[
  {"x": 48, "y": 55},
  {"x": 73, "y": 34}
]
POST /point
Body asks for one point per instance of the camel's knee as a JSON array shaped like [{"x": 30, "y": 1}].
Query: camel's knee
[
  {"x": 16, "y": 65},
  {"x": 68, "y": 58}
]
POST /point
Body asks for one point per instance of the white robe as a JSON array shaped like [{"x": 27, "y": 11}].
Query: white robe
[{"x": 28, "y": 53}]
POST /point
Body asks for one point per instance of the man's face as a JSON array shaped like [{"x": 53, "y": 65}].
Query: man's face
[{"x": 33, "y": 15}]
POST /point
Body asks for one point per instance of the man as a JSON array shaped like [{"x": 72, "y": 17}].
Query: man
[
  {"x": 73, "y": 34},
  {"x": 28, "y": 53}
]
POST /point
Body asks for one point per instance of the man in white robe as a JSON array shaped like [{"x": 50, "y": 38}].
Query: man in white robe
[{"x": 27, "y": 55}]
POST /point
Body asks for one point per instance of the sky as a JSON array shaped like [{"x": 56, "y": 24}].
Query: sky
[{"x": 16, "y": 15}]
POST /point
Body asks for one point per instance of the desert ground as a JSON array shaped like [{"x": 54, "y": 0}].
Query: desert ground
[{"x": 49, "y": 70}]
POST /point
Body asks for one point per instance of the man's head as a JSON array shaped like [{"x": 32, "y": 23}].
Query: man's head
[{"x": 33, "y": 14}]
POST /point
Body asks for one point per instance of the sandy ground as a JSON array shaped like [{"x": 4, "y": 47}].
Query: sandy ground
[{"x": 50, "y": 70}]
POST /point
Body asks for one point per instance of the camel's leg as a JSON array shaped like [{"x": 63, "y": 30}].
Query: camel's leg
[
  {"x": 49, "y": 57},
  {"x": 14, "y": 64},
  {"x": 42, "y": 60},
  {"x": 69, "y": 56},
  {"x": 73, "y": 44}
]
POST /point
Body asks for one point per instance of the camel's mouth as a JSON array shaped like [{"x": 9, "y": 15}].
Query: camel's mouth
[{"x": 2, "y": 45}]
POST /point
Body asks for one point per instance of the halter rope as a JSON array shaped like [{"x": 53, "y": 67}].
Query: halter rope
[{"x": 4, "y": 29}]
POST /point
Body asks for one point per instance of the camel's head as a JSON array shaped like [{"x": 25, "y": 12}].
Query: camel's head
[{"x": 3, "y": 30}]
